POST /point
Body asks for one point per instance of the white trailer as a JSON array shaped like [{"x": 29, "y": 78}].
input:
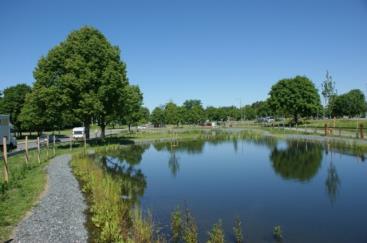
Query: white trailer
[
  {"x": 6, "y": 130},
  {"x": 78, "y": 132}
]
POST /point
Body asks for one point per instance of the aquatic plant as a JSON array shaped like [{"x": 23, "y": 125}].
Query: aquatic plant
[
  {"x": 277, "y": 232},
  {"x": 216, "y": 235},
  {"x": 190, "y": 232},
  {"x": 176, "y": 225},
  {"x": 237, "y": 230}
]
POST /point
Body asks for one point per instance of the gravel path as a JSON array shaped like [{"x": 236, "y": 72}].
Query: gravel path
[{"x": 59, "y": 215}]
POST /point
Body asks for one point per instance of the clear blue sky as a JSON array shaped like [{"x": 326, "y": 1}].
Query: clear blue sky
[{"x": 217, "y": 51}]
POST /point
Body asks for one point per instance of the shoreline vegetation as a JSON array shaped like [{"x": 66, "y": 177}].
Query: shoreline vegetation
[{"x": 28, "y": 181}]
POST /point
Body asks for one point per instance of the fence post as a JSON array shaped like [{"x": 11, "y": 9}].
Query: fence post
[
  {"x": 38, "y": 150},
  {"x": 53, "y": 145},
  {"x": 71, "y": 143},
  {"x": 47, "y": 146},
  {"x": 326, "y": 129},
  {"x": 361, "y": 131},
  {"x": 5, "y": 155},
  {"x": 26, "y": 150},
  {"x": 85, "y": 142}
]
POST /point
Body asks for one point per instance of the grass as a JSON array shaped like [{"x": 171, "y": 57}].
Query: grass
[
  {"x": 26, "y": 182},
  {"x": 111, "y": 218},
  {"x": 339, "y": 123}
]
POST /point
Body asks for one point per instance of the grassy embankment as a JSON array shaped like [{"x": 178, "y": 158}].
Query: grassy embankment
[{"x": 26, "y": 182}]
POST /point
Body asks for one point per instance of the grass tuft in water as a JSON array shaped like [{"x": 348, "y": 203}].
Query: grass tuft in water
[
  {"x": 277, "y": 232},
  {"x": 176, "y": 225},
  {"x": 216, "y": 235},
  {"x": 237, "y": 230},
  {"x": 190, "y": 232}
]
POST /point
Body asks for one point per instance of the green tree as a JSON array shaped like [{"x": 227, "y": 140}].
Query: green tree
[
  {"x": 193, "y": 112},
  {"x": 295, "y": 97},
  {"x": 262, "y": 108},
  {"x": 144, "y": 115},
  {"x": 349, "y": 104},
  {"x": 157, "y": 117},
  {"x": 42, "y": 110},
  {"x": 89, "y": 75},
  {"x": 172, "y": 113},
  {"x": 249, "y": 112},
  {"x": 134, "y": 100},
  {"x": 212, "y": 113},
  {"x": 12, "y": 103},
  {"x": 328, "y": 90}
]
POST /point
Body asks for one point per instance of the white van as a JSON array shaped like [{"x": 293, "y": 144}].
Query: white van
[
  {"x": 6, "y": 130},
  {"x": 78, "y": 132}
]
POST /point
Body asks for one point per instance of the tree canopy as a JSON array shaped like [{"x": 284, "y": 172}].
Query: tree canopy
[
  {"x": 295, "y": 97},
  {"x": 87, "y": 75},
  {"x": 349, "y": 104},
  {"x": 12, "y": 103}
]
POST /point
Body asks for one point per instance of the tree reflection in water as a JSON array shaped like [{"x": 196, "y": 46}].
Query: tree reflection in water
[
  {"x": 121, "y": 163},
  {"x": 173, "y": 163},
  {"x": 332, "y": 182},
  {"x": 300, "y": 160}
]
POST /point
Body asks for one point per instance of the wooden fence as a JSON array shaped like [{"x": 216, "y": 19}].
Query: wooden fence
[{"x": 45, "y": 145}]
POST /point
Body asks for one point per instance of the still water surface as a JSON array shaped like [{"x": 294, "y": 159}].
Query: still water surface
[{"x": 315, "y": 194}]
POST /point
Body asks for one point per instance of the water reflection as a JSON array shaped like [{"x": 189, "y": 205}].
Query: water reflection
[
  {"x": 190, "y": 147},
  {"x": 332, "y": 182},
  {"x": 173, "y": 163},
  {"x": 299, "y": 160},
  {"x": 121, "y": 164}
]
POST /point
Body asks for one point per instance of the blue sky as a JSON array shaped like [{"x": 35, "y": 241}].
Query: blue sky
[{"x": 221, "y": 52}]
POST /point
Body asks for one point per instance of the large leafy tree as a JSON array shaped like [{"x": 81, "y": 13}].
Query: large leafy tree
[
  {"x": 193, "y": 112},
  {"x": 13, "y": 102},
  {"x": 295, "y": 97},
  {"x": 87, "y": 72},
  {"x": 133, "y": 104},
  {"x": 157, "y": 117},
  {"x": 172, "y": 113},
  {"x": 145, "y": 114},
  {"x": 349, "y": 104},
  {"x": 42, "y": 110}
]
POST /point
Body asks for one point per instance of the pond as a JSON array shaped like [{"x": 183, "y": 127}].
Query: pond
[{"x": 314, "y": 193}]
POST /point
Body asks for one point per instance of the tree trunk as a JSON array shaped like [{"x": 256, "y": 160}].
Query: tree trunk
[
  {"x": 87, "y": 130},
  {"x": 103, "y": 130},
  {"x": 296, "y": 119},
  {"x": 129, "y": 127}
]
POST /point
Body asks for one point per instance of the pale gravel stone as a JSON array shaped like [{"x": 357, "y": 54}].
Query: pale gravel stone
[{"x": 59, "y": 216}]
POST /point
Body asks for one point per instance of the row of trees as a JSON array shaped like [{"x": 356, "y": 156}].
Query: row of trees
[
  {"x": 293, "y": 97},
  {"x": 80, "y": 81},
  {"x": 193, "y": 112}
]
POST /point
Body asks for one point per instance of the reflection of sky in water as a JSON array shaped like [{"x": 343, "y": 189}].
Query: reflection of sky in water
[{"x": 315, "y": 197}]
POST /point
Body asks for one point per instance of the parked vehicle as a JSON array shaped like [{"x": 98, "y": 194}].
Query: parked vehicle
[
  {"x": 50, "y": 138},
  {"x": 78, "y": 132},
  {"x": 6, "y": 130}
]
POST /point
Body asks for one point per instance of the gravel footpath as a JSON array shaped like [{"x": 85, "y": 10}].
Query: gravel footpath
[{"x": 59, "y": 215}]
